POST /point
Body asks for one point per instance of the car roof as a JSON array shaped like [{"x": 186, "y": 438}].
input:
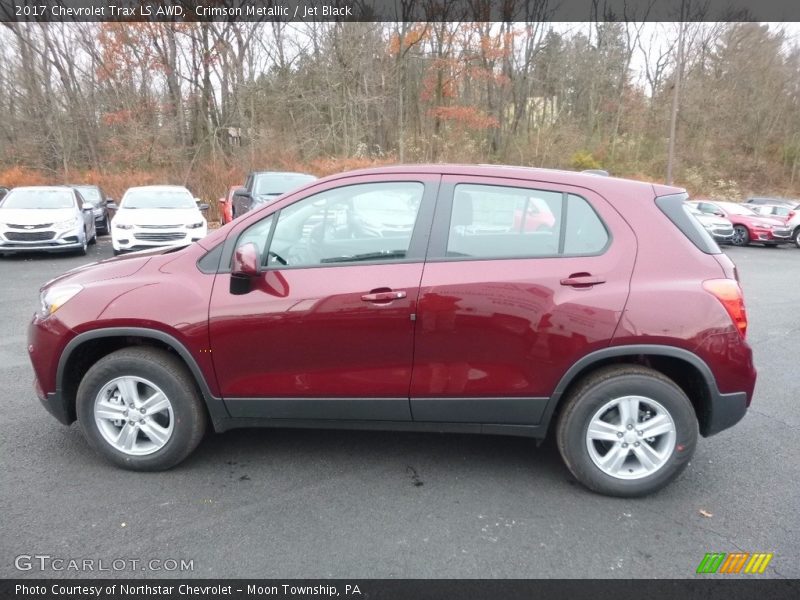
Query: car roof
[
  {"x": 159, "y": 188},
  {"x": 587, "y": 180},
  {"x": 282, "y": 173},
  {"x": 43, "y": 188}
]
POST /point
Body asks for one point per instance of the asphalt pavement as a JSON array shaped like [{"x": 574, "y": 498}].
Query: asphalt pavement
[{"x": 350, "y": 504}]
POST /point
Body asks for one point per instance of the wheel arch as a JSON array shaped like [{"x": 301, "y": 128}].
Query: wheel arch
[
  {"x": 87, "y": 348},
  {"x": 686, "y": 369}
]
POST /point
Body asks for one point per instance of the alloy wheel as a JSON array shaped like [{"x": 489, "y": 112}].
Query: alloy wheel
[
  {"x": 631, "y": 437},
  {"x": 133, "y": 415}
]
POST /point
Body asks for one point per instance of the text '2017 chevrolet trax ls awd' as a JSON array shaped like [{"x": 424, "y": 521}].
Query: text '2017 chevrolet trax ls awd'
[{"x": 416, "y": 298}]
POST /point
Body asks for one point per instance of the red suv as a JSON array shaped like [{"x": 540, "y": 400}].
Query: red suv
[{"x": 620, "y": 325}]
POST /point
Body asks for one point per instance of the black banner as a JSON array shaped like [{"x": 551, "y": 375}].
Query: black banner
[
  {"x": 711, "y": 588},
  {"x": 398, "y": 10}
]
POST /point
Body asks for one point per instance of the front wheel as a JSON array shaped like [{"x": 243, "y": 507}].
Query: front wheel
[
  {"x": 627, "y": 431},
  {"x": 796, "y": 237},
  {"x": 741, "y": 236},
  {"x": 140, "y": 409}
]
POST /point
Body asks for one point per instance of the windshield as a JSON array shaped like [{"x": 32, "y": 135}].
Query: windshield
[
  {"x": 90, "y": 194},
  {"x": 737, "y": 209},
  {"x": 39, "y": 199},
  {"x": 158, "y": 199},
  {"x": 275, "y": 184}
]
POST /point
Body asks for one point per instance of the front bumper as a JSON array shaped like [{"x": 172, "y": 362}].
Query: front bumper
[
  {"x": 775, "y": 236},
  {"x": 21, "y": 240},
  {"x": 54, "y": 404},
  {"x": 132, "y": 240}
]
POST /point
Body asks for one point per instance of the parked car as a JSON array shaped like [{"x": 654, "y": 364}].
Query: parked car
[
  {"x": 720, "y": 228},
  {"x": 264, "y": 187},
  {"x": 94, "y": 197},
  {"x": 51, "y": 218},
  {"x": 789, "y": 216},
  {"x": 226, "y": 205},
  {"x": 781, "y": 201},
  {"x": 748, "y": 225},
  {"x": 157, "y": 215},
  {"x": 292, "y": 316},
  {"x": 776, "y": 211}
]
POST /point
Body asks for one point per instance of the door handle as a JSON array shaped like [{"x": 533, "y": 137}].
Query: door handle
[
  {"x": 383, "y": 296},
  {"x": 582, "y": 280}
]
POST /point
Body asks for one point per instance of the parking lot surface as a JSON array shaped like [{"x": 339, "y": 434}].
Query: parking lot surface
[{"x": 351, "y": 504}]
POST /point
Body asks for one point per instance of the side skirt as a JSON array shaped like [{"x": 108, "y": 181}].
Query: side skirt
[{"x": 532, "y": 431}]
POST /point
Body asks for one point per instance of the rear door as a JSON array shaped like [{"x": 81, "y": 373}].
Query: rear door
[{"x": 511, "y": 296}]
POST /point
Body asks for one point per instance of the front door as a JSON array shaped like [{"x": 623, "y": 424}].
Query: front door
[{"x": 326, "y": 330}]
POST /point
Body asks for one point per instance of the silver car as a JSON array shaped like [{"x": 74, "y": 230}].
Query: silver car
[
  {"x": 720, "y": 228},
  {"x": 49, "y": 218}
]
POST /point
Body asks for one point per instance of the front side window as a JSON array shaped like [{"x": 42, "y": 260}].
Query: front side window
[
  {"x": 352, "y": 224},
  {"x": 489, "y": 221}
]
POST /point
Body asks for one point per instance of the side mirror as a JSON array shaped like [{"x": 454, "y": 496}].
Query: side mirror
[
  {"x": 719, "y": 214},
  {"x": 87, "y": 207},
  {"x": 246, "y": 260},
  {"x": 111, "y": 204},
  {"x": 241, "y": 193},
  {"x": 203, "y": 207}
]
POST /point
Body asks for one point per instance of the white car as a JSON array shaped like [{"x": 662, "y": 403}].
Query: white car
[
  {"x": 156, "y": 215},
  {"x": 50, "y": 218},
  {"x": 720, "y": 228}
]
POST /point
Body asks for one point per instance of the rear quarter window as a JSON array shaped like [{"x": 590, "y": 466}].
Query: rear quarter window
[{"x": 674, "y": 207}]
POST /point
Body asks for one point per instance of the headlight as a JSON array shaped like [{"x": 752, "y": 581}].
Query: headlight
[
  {"x": 123, "y": 226},
  {"x": 194, "y": 225},
  {"x": 65, "y": 224},
  {"x": 54, "y": 298}
]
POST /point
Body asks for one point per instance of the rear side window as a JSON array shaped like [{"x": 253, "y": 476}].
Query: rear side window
[
  {"x": 490, "y": 221},
  {"x": 585, "y": 232},
  {"x": 674, "y": 207}
]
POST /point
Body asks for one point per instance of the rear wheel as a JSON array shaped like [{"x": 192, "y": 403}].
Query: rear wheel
[
  {"x": 140, "y": 409},
  {"x": 741, "y": 236},
  {"x": 627, "y": 431}
]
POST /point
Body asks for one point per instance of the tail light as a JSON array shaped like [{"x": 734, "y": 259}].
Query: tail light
[{"x": 728, "y": 292}]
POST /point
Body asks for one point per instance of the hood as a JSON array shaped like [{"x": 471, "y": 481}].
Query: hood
[
  {"x": 110, "y": 268},
  {"x": 35, "y": 216},
  {"x": 713, "y": 220},
  {"x": 158, "y": 216},
  {"x": 765, "y": 221}
]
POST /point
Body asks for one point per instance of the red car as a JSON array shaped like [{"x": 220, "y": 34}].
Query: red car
[
  {"x": 297, "y": 315},
  {"x": 226, "y": 205},
  {"x": 748, "y": 225}
]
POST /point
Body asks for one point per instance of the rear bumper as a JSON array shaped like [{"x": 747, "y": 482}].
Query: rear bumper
[{"x": 723, "y": 411}]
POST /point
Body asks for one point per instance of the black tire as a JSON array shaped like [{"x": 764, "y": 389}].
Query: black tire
[
  {"x": 173, "y": 378},
  {"x": 741, "y": 236},
  {"x": 589, "y": 397},
  {"x": 82, "y": 250},
  {"x": 796, "y": 237},
  {"x": 105, "y": 228},
  {"x": 93, "y": 241},
  {"x": 117, "y": 252}
]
